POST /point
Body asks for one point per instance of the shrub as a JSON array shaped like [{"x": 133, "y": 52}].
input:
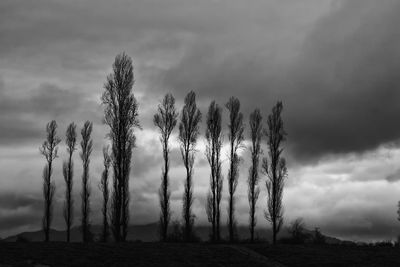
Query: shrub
[
  {"x": 318, "y": 237},
  {"x": 176, "y": 233},
  {"x": 22, "y": 239},
  {"x": 297, "y": 232}
]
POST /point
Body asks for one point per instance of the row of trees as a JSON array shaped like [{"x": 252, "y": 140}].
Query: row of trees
[
  {"x": 274, "y": 166},
  {"x": 121, "y": 116},
  {"x": 49, "y": 149}
]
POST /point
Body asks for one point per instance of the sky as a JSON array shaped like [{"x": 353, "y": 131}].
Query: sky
[{"x": 333, "y": 63}]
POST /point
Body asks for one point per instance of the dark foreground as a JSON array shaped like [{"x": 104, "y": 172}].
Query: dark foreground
[
  {"x": 330, "y": 255},
  {"x": 157, "y": 254}
]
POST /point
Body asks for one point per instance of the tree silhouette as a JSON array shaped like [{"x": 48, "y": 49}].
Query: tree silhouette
[
  {"x": 275, "y": 168},
  {"x": 106, "y": 193},
  {"x": 213, "y": 151},
  {"x": 188, "y": 133},
  {"x": 121, "y": 115},
  {"x": 297, "y": 231},
  {"x": 86, "y": 146},
  {"x": 236, "y": 138},
  {"x": 49, "y": 150},
  {"x": 165, "y": 120},
  {"x": 68, "y": 172},
  {"x": 255, "y": 122},
  {"x": 318, "y": 237}
]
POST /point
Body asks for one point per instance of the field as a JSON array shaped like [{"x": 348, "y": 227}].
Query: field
[
  {"x": 330, "y": 255},
  {"x": 201, "y": 254}
]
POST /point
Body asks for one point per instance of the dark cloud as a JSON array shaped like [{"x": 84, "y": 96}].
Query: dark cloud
[
  {"x": 17, "y": 210},
  {"x": 393, "y": 177},
  {"x": 13, "y": 201},
  {"x": 340, "y": 92},
  {"x": 347, "y": 83},
  {"x": 23, "y": 118}
]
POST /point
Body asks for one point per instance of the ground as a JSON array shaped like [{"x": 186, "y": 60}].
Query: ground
[
  {"x": 202, "y": 254},
  {"x": 329, "y": 255}
]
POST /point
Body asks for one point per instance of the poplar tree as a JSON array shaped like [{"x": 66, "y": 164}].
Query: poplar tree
[
  {"x": 275, "y": 167},
  {"x": 86, "y": 146},
  {"x": 255, "y": 123},
  {"x": 49, "y": 150},
  {"x": 121, "y": 115},
  {"x": 235, "y": 136},
  {"x": 188, "y": 133},
  {"x": 68, "y": 172},
  {"x": 213, "y": 153},
  {"x": 165, "y": 120}
]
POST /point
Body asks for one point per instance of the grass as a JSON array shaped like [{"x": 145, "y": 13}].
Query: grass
[
  {"x": 196, "y": 254},
  {"x": 329, "y": 255},
  {"x": 127, "y": 254}
]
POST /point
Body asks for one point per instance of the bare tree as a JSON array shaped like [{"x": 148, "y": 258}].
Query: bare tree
[
  {"x": 297, "y": 231},
  {"x": 188, "y": 133},
  {"x": 236, "y": 138},
  {"x": 68, "y": 172},
  {"x": 86, "y": 146},
  {"x": 121, "y": 115},
  {"x": 49, "y": 151},
  {"x": 213, "y": 151},
  {"x": 275, "y": 168},
  {"x": 165, "y": 120},
  {"x": 255, "y": 122},
  {"x": 106, "y": 193}
]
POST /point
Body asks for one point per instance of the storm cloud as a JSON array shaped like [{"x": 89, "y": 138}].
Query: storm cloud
[{"x": 340, "y": 87}]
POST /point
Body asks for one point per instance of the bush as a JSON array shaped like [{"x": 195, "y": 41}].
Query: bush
[
  {"x": 318, "y": 237},
  {"x": 176, "y": 234},
  {"x": 22, "y": 239},
  {"x": 386, "y": 243},
  {"x": 297, "y": 232}
]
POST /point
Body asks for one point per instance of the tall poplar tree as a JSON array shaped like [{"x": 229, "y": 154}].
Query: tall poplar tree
[
  {"x": 275, "y": 168},
  {"x": 121, "y": 115},
  {"x": 87, "y": 147},
  {"x": 165, "y": 120},
  {"x": 255, "y": 123},
  {"x": 188, "y": 133},
  {"x": 68, "y": 172},
  {"x": 213, "y": 152},
  {"x": 49, "y": 150},
  {"x": 235, "y": 136}
]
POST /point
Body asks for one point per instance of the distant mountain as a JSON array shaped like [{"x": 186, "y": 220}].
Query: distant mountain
[{"x": 149, "y": 233}]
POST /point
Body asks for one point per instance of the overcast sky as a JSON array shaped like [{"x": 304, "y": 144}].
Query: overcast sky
[{"x": 335, "y": 64}]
